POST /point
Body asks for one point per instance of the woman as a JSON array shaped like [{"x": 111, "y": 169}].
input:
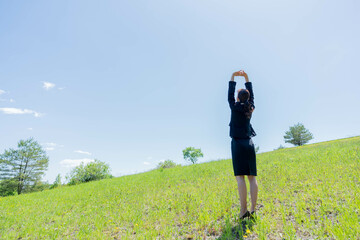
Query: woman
[{"x": 242, "y": 147}]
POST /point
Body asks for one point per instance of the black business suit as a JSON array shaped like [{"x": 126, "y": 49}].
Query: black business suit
[{"x": 241, "y": 132}]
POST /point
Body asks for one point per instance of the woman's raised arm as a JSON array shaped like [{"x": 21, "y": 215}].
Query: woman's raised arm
[{"x": 231, "y": 91}]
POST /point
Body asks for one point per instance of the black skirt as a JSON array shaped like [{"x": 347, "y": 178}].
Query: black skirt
[{"x": 243, "y": 156}]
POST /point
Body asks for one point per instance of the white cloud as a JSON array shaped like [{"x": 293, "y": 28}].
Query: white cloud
[
  {"x": 7, "y": 100},
  {"x": 146, "y": 163},
  {"x": 30, "y": 129},
  {"x": 75, "y": 162},
  {"x": 50, "y": 146},
  {"x": 2, "y": 92},
  {"x": 149, "y": 158},
  {"x": 82, "y": 152},
  {"x": 20, "y": 111},
  {"x": 48, "y": 85},
  {"x": 61, "y": 88}
]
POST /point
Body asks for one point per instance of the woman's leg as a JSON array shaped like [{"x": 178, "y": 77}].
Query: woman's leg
[
  {"x": 253, "y": 191},
  {"x": 242, "y": 193}
]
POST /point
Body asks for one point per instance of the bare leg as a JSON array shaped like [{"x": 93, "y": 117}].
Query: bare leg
[
  {"x": 242, "y": 193},
  {"x": 253, "y": 191}
]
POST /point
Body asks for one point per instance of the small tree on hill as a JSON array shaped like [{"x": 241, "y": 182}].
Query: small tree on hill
[
  {"x": 25, "y": 165},
  {"x": 298, "y": 135},
  {"x": 192, "y": 154}
]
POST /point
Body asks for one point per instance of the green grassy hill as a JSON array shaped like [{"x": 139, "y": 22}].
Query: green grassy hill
[{"x": 308, "y": 192}]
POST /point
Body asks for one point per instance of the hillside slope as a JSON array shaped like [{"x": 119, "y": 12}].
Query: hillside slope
[{"x": 305, "y": 192}]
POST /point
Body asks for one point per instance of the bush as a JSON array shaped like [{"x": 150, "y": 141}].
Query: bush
[
  {"x": 37, "y": 186},
  {"x": 280, "y": 147},
  {"x": 57, "y": 182},
  {"x": 167, "y": 164},
  {"x": 8, "y": 187},
  {"x": 90, "y": 172}
]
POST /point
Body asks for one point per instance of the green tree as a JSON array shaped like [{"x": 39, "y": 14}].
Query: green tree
[
  {"x": 192, "y": 154},
  {"x": 166, "y": 164},
  {"x": 25, "y": 165},
  {"x": 90, "y": 172},
  {"x": 298, "y": 135}
]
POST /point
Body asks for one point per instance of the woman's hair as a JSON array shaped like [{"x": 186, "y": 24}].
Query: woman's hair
[{"x": 243, "y": 96}]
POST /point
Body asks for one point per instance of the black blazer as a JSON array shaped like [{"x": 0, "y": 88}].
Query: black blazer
[{"x": 240, "y": 126}]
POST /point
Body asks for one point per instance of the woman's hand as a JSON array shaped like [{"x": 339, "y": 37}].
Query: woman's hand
[
  {"x": 235, "y": 74},
  {"x": 240, "y": 73},
  {"x": 244, "y": 74}
]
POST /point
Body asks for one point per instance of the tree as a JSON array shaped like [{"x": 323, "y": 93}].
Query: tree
[
  {"x": 298, "y": 135},
  {"x": 192, "y": 154},
  {"x": 25, "y": 165},
  {"x": 90, "y": 172}
]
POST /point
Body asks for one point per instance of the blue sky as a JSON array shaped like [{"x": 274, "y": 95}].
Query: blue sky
[{"x": 132, "y": 83}]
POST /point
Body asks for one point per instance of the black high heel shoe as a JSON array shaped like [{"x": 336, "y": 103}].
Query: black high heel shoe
[{"x": 246, "y": 215}]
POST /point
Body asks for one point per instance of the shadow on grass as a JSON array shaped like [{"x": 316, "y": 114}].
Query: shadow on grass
[{"x": 236, "y": 231}]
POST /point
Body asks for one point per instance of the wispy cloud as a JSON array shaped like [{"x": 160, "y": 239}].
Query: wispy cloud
[
  {"x": 30, "y": 129},
  {"x": 20, "y": 111},
  {"x": 146, "y": 163},
  {"x": 48, "y": 85},
  {"x": 50, "y": 146},
  {"x": 2, "y": 91},
  {"x": 7, "y": 100},
  {"x": 82, "y": 152},
  {"x": 75, "y": 162}
]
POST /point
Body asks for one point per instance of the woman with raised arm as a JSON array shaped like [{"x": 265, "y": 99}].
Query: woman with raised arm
[{"x": 242, "y": 147}]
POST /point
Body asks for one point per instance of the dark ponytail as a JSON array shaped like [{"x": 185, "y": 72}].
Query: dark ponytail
[{"x": 243, "y": 96}]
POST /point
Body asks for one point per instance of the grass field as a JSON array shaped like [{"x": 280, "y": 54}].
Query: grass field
[{"x": 308, "y": 192}]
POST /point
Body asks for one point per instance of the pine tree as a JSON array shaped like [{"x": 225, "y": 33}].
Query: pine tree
[{"x": 298, "y": 135}]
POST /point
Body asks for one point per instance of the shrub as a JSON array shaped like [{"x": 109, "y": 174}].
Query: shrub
[
  {"x": 8, "y": 187},
  {"x": 90, "y": 172},
  {"x": 280, "y": 147},
  {"x": 57, "y": 182},
  {"x": 167, "y": 164}
]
